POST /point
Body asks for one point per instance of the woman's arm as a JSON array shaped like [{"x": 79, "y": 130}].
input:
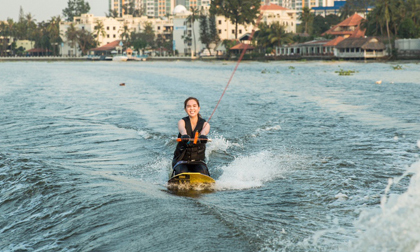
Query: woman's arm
[
  {"x": 205, "y": 130},
  {"x": 181, "y": 127}
]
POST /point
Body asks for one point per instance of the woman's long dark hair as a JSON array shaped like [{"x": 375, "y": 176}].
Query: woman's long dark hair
[{"x": 192, "y": 98}]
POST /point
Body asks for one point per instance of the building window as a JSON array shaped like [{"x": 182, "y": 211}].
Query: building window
[
  {"x": 240, "y": 31},
  {"x": 220, "y": 31},
  {"x": 113, "y": 36},
  {"x": 220, "y": 21},
  {"x": 158, "y": 28},
  {"x": 107, "y": 28},
  {"x": 113, "y": 28},
  {"x": 107, "y": 35},
  {"x": 233, "y": 31}
]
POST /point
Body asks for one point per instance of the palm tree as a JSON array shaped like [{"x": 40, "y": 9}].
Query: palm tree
[
  {"x": 125, "y": 35},
  {"x": 261, "y": 36},
  {"x": 307, "y": 18},
  {"x": 86, "y": 41},
  {"x": 346, "y": 11},
  {"x": 191, "y": 19},
  {"x": 414, "y": 7},
  {"x": 99, "y": 30},
  {"x": 71, "y": 35},
  {"x": 384, "y": 10},
  {"x": 53, "y": 29},
  {"x": 277, "y": 34},
  {"x": 3, "y": 34},
  {"x": 30, "y": 26}
]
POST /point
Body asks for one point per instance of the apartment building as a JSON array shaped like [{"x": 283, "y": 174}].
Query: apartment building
[{"x": 113, "y": 28}]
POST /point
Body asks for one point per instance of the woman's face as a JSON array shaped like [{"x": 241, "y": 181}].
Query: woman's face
[{"x": 192, "y": 108}]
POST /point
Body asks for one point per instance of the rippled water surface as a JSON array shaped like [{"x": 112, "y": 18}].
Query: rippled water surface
[{"x": 304, "y": 159}]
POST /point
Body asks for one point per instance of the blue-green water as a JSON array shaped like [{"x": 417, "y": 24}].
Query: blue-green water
[{"x": 301, "y": 157}]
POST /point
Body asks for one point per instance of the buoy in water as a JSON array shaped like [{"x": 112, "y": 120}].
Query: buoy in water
[
  {"x": 122, "y": 84},
  {"x": 379, "y": 82}
]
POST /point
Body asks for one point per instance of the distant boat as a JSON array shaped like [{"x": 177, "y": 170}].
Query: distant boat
[
  {"x": 138, "y": 57},
  {"x": 119, "y": 58}
]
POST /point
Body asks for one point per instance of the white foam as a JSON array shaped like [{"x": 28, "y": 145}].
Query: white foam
[
  {"x": 418, "y": 143},
  {"x": 253, "y": 171},
  {"x": 144, "y": 134},
  {"x": 272, "y": 128},
  {"x": 218, "y": 143},
  {"x": 395, "y": 226}
]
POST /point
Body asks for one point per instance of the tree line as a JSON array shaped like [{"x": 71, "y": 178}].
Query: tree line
[
  {"x": 388, "y": 18},
  {"x": 45, "y": 34}
]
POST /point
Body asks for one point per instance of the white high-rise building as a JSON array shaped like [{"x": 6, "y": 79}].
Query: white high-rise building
[{"x": 119, "y": 5}]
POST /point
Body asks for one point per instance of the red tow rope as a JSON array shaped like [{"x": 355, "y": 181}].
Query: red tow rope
[{"x": 237, "y": 64}]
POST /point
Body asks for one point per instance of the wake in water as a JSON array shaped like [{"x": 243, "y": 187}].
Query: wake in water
[{"x": 395, "y": 226}]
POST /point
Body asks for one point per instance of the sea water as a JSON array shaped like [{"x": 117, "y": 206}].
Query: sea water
[{"x": 304, "y": 159}]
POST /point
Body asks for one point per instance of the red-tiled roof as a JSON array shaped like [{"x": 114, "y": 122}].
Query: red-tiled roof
[
  {"x": 107, "y": 47},
  {"x": 341, "y": 29},
  {"x": 37, "y": 50},
  {"x": 334, "y": 42},
  {"x": 272, "y": 7},
  {"x": 242, "y": 46},
  {"x": 358, "y": 33},
  {"x": 352, "y": 21}
]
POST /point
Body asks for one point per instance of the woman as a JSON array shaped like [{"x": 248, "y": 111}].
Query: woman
[{"x": 189, "y": 156}]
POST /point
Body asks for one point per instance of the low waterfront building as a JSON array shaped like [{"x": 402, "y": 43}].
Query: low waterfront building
[
  {"x": 238, "y": 48},
  {"x": 314, "y": 49},
  {"x": 340, "y": 47},
  {"x": 25, "y": 44},
  {"x": 408, "y": 48},
  {"x": 360, "y": 48},
  {"x": 106, "y": 50}
]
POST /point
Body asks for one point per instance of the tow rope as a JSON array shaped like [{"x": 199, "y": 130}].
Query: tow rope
[{"x": 237, "y": 63}]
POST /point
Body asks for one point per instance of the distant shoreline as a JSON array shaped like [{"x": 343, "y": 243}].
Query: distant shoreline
[{"x": 69, "y": 59}]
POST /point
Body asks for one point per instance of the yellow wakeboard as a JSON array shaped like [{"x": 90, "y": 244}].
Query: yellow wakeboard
[{"x": 191, "y": 180}]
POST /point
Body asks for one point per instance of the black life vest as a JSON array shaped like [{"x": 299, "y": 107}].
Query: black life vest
[{"x": 190, "y": 151}]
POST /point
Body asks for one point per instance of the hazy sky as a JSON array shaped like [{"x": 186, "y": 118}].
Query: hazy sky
[{"x": 45, "y": 9}]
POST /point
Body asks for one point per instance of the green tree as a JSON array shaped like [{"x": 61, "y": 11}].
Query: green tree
[
  {"x": 306, "y": 18},
  {"x": 347, "y": 10},
  {"x": 260, "y": 38},
  {"x": 191, "y": 19},
  {"x": 75, "y": 8},
  {"x": 270, "y": 36},
  {"x": 72, "y": 36},
  {"x": 125, "y": 34},
  {"x": 3, "y": 34},
  {"x": 208, "y": 31},
  {"x": 99, "y": 30},
  {"x": 408, "y": 29},
  {"x": 31, "y": 26},
  {"x": 385, "y": 12},
  {"x": 277, "y": 35},
  {"x": 7, "y": 32},
  {"x": 86, "y": 41},
  {"x": 112, "y": 14},
  {"x": 237, "y": 11},
  {"x": 53, "y": 29},
  {"x": 144, "y": 39},
  {"x": 229, "y": 43},
  {"x": 138, "y": 41}
]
